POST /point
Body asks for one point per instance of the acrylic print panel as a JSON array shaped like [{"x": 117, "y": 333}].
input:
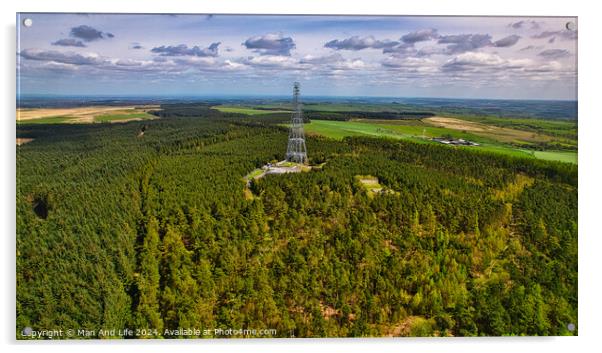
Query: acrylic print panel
[{"x": 221, "y": 176}]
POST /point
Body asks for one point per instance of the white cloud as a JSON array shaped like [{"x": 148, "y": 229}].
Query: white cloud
[{"x": 411, "y": 64}]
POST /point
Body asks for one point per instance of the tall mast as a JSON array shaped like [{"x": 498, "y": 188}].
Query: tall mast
[{"x": 296, "y": 150}]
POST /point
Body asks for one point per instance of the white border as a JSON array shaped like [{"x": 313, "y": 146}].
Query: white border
[{"x": 590, "y": 118}]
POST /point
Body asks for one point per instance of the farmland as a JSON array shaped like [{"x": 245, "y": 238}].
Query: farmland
[
  {"x": 84, "y": 115},
  {"x": 540, "y": 138},
  {"x": 488, "y": 140}
]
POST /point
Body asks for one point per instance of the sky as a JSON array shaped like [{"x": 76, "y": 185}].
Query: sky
[{"x": 223, "y": 55}]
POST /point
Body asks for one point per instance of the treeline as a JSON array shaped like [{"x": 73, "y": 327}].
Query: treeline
[
  {"x": 346, "y": 116},
  {"x": 155, "y": 232},
  {"x": 186, "y": 110}
]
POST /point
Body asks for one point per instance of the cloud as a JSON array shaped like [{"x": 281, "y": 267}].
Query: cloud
[
  {"x": 531, "y": 47},
  {"x": 270, "y": 44},
  {"x": 333, "y": 62},
  {"x": 321, "y": 65},
  {"x": 88, "y": 34},
  {"x": 402, "y": 49},
  {"x": 69, "y": 42},
  {"x": 472, "y": 60},
  {"x": 554, "y": 53},
  {"x": 492, "y": 65},
  {"x": 128, "y": 62},
  {"x": 136, "y": 45},
  {"x": 460, "y": 43},
  {"x": 507, "y": 41},
  {"x": 431, "y": 50},
  {"x": 320, "y": 60},
  {"x": 524, "y": 24},
  {"x": 271, "y": 61},
  {"x": 61, "y": 57},
  {"x": 184, "y": 50},
  {"x": 92, "y": 63},
  {"x": 411, "y": 64},
  {"x": 565, "y": 34},
  {"x": 420, "y": 36},
  {"x": 359, "y": 43}
]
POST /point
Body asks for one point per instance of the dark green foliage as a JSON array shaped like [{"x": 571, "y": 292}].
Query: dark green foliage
[
  {"x": 148, "y": 313},
  {"x": 155, "y": 232},
  {"x": 349, "y": 115},
  {"x": 186, "y": 110}
]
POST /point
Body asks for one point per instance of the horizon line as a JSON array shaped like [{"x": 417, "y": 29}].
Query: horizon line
[{"x": 172, "y": 96}]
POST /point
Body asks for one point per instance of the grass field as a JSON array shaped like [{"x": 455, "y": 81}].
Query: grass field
[
  {"x": 570, "y": 157},
  {"x": 565, "y": 128},
  {"x": 89, "y": 114},
  {"x": 245, "y": 110},
  {"x": 339, "y": 107},
  {"x": 340, "y": 129},
  {"x": 254, "y": 173},
  {"x": 123, "y": 117},
  {"x": 48, "y": 120}
]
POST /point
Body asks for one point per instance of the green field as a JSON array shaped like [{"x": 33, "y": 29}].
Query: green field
[
  {"x": 567, "y": 128},
  {"x": 254, "y": 173},
  {"x": 340, "y": 129},
  {"x": 49, "y": 120},
  {"x": 340, "y": 107},
  {"x": 122, "y": 115},
  {"x": 570, "y": 157},
  {"x": 247, "y": 111},
  {"x": 119, "y": 117}
]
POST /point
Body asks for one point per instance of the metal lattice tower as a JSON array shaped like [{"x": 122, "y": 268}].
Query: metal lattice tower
[{"x": 296, "y": 151}]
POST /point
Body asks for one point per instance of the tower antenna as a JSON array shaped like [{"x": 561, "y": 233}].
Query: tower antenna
[{"x": 296, "y": 150}]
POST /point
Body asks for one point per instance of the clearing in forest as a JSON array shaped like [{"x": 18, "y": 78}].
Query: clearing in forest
[{"x": 372, "y": 185}]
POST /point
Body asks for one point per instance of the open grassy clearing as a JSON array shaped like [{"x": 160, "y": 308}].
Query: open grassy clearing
[
  {"x": 246, "y": 110},
  {"x": 340, "y": 129},
  {"x": 49, "y": 120},
  {"x": 369, "y": 182},
  {"x": 254, "y": 173},
  {"x": 123, "y": 117},
  {"x": 563, "y": 156}
]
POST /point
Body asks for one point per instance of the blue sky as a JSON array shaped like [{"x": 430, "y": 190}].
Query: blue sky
[{"x": 459, "y": 57}]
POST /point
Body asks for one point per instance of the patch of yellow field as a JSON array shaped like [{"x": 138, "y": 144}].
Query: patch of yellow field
[
  {"x": 23, "y": 140},
  {"x": 502, "y": 134},
  {"x": 457, "y": 124},
  {"x": 81, "y": 114}
]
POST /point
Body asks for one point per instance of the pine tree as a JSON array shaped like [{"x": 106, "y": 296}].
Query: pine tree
[
  {"x": 147, "y": 314},
  {"x": 180, "y": 300}
]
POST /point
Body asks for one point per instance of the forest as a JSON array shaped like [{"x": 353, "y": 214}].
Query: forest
[{"x": 145, "y": 225}]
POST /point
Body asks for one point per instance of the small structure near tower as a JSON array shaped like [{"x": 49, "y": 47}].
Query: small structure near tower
[{"x": 296, "y": 151}]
